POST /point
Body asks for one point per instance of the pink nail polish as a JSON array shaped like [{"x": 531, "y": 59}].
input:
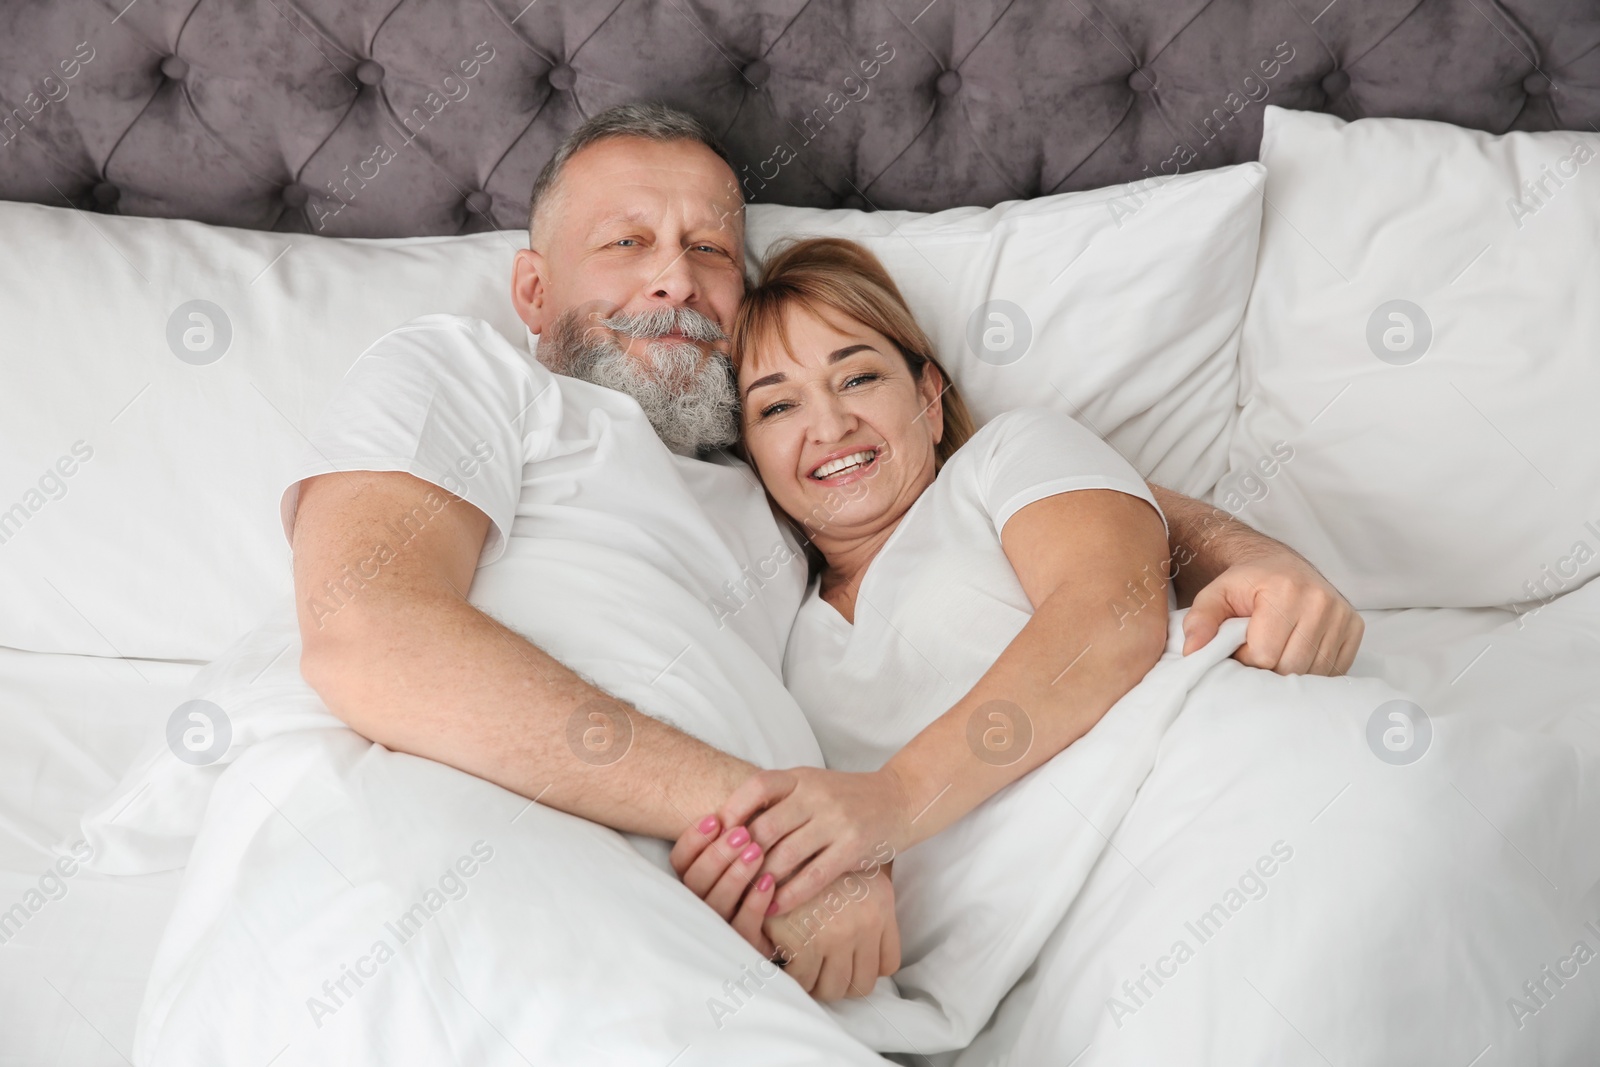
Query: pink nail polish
[
  {"x": 763, "y": 884},
  {"x": 708, "y": 825},
  {"x": 751, "y": 854},
  {"x": 739, "y": 837},
  {"x": 772, "y": 909}
]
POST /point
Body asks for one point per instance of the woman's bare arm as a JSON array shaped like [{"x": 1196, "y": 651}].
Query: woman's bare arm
[{"x": 1093, "y": 564}]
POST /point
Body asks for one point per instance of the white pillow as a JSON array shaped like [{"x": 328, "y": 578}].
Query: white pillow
[
  {"x": 1119, "y": 306},
  {"x": 139, "y": 490},
  {"x": 1421, "y": 360},
  {"x": 139, "y": 484}
]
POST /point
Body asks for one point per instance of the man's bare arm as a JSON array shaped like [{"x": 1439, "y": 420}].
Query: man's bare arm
[
  {"x": 1299, "y": 623},
  {"x": 407, "y": 662},
  {"x": 1205, "y": 541}
]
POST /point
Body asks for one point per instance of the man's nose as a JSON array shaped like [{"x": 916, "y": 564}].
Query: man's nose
[{"x": 673, "y": 280}]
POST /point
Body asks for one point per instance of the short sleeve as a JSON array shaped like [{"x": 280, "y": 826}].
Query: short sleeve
[
  {"x": 446, "y": 399},
  {"x": 1034, "y": 453}
]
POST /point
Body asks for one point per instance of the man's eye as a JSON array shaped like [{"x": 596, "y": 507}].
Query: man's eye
[
  {"x": 627, "y": 242},
  {"x": 709, "y": 248}
]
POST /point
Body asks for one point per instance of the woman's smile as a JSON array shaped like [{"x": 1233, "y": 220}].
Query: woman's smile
[
  {"x": 844, "y": 466},
  {"x": 841, "y": 429}
]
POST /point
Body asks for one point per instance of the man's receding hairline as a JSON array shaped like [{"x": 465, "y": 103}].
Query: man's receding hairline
[
  {"x": 550, "y": 199},
  {"x": 646, "y": 121}
]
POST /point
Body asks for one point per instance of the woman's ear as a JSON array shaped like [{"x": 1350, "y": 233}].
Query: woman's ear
[
  {"x": 932, "y": 387},
  {"x": 529, "y": 290}
]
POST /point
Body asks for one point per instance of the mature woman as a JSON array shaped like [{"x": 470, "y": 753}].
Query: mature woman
[{"x": 978, "y": 599}]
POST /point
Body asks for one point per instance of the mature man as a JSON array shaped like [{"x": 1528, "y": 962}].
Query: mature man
[{"x": 596, "y": 501}]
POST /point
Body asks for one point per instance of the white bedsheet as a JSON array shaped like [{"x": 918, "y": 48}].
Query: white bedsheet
[
  {"x": 72, "y": 725},
  {"x": 72, "y": 977},
  {"x": 315, "y": 843},
  {"x": 1416, "y": 901}
]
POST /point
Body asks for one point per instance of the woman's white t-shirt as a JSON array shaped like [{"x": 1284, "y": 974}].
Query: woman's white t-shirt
[{"x": 941, "y": 601}]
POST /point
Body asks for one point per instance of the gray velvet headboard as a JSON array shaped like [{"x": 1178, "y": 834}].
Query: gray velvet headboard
[{"x": 404, "y": 117}]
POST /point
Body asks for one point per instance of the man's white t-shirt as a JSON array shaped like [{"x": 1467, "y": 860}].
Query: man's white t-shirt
[
  {"x": 663, "y": 579},
  {"x": 940, "y": 601}
]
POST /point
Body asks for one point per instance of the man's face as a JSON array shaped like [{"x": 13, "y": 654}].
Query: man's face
[{"x": 636, "y": 271}]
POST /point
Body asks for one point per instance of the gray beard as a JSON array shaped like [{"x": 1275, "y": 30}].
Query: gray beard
[{"x": 692, "y": 407}]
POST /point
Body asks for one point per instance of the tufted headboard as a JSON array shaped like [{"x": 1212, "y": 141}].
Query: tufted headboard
[{"x": 404, "y": 117}]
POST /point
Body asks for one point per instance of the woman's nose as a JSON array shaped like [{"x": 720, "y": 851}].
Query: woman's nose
[{"x": 831, "y": 419}]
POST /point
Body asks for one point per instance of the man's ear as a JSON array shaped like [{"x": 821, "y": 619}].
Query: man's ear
[{"x": 530, "y": 289}]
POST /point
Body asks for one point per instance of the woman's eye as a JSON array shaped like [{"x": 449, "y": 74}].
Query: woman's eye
[
  {"x": 857, "y": 379},
  {"x": 774, "y": 409}
]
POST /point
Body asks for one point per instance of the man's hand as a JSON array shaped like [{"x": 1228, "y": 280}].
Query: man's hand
[
  {"x": 841, "y": 941},
  {"x": 1299, "y": 624},
  {"x": 836, "y": 944}
]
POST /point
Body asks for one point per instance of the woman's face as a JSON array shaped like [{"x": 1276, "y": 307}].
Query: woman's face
[{"x": 839, "y": 430}]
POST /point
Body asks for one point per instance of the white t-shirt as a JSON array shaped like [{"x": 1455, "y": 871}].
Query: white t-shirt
[
  {"x": 940, "y": 601},
  {"x": 662, "y": 578}
]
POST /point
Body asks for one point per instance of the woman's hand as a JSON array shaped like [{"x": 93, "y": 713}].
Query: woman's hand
[
  {"x": 835, "y": 945},
  {"x": 720, "y": 868},
  {"x": 816, "y": 825},
  {"x": 838, "y": 944}
]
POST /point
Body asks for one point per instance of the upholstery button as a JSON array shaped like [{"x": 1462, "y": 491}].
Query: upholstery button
[
  {"x": 1142, "y": 81},
  {"x": 369, "y": 72},
  {"x": 295, "y": 195},
  {"x": 756, "y": 72},
  {"x": 854, "y": 202},
  {"x": 563, "y": 77},
  {"x": 479, "y": 202},
  {"x": 1335, "y": 82},
  {"x": 175, "y": 68},
  {"x": 949, "y": 83},
  {"x": 106, "y": 193},
  {"x": 1536, "y": 84}
]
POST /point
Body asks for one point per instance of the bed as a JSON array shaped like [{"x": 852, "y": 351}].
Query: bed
[{"x": 161, "y": 161}]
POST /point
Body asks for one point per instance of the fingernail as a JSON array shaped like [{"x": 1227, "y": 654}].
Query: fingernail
[
  {"x": 751, "y": 854},
  {"x": 739, "y": 837},
  {"x": 772, "y": 909},
  {"x": 763, "y": 884},
  {"x": 708, "y": 825}
]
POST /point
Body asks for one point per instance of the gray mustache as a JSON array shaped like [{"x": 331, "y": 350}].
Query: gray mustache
[{"x": 657, "y": 321}]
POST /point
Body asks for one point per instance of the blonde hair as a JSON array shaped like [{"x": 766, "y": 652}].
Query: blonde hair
[{"x": 828, "y": 273}]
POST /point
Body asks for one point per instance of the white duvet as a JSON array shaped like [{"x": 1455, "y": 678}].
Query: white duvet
[
  {"x": 345, "y": 904},
  {"x": 1278, "y": 894}
]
